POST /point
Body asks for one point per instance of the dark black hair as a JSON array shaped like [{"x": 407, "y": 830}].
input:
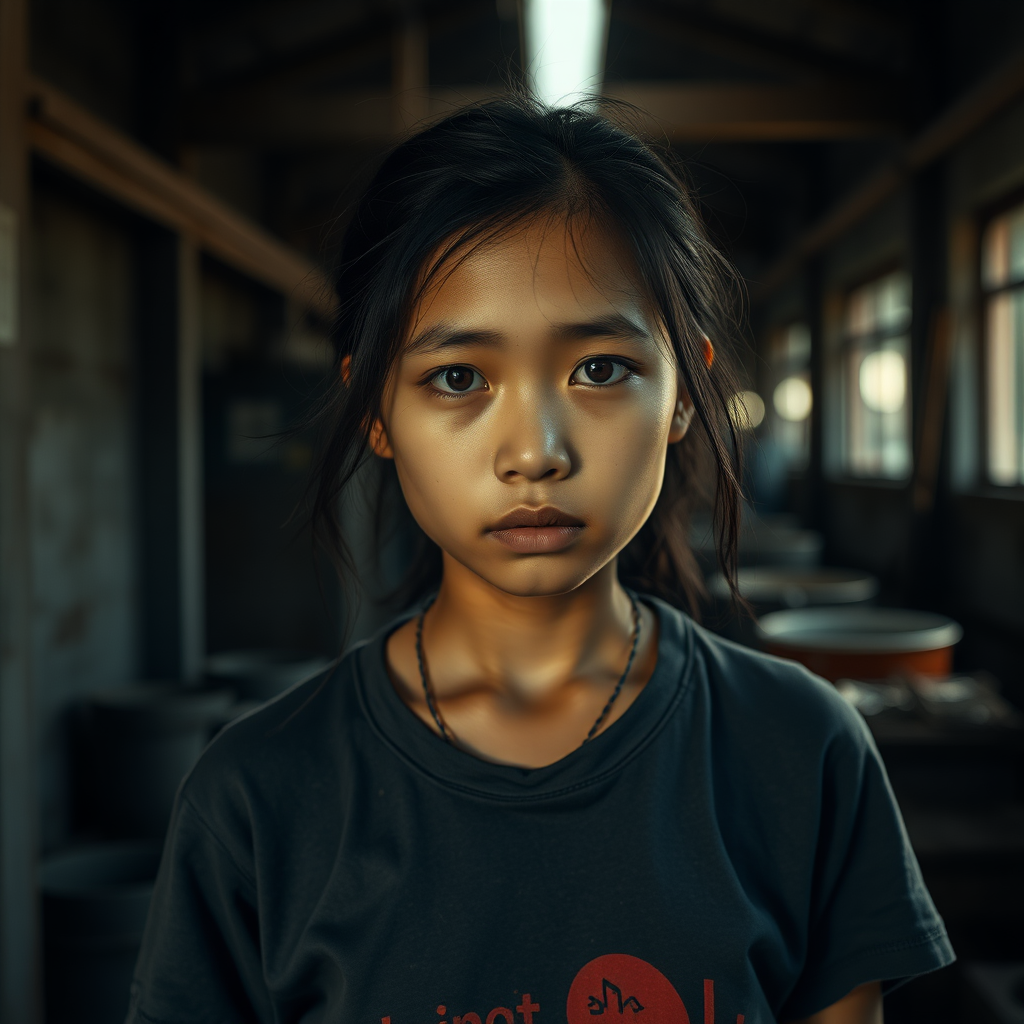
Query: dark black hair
[{"x": 462, "y": 181}]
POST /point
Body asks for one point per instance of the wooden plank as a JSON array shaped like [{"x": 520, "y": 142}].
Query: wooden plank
[
  {"x": 733, "y": 112},
  {"x": 366, "y": 36},
  {"x": 93, "y": 151},
  {"x": 20, "y": 931},
  {"x": 959, "y": 121},
  {"x": 168, "y": 383},
  {"x": 191, "y": 535},
  {"x": 681, "y": 111},
  {"x": 698, "y": 29},
  {"x": 410, "y": 75}
]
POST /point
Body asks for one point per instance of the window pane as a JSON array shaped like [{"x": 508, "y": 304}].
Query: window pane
[
  {"x": 1005, "y": 391},
  {"x": 860, "y": 312},
  {"x": 797, "y": 345},
  {"x": 1016, "y": 244},
  {"x": 1002, "y": 249},
  {"x": 876, "y": 414},
  {"x": 894, "y": 302},
  {"x": 995, "y": 253}
]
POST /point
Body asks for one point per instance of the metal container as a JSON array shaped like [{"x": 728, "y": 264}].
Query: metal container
[
  {"x": 95, "y": 902},
  {"x": 777, "y": 541},
  {"x": 773, "y": 587},
  {"x": 862, "y": 642}
]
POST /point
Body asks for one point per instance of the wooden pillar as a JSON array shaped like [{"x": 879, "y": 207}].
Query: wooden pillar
[
  {"x": 20, "y": 972},
  {"x": 168, "y": 386},
  {"x": 815, "y": 200},
  {"x": 814, "y": 305},
  {"x": 929, "y": 357},
  {"x": 409, "y": 73}
]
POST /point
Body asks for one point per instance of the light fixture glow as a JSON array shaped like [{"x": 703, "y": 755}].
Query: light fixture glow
[
  {"x": 565, "y": 44},
  {"x": 792, "y": 399},
  {"x": 746, "y": 410},
  {"x": 883, "y": 381}
]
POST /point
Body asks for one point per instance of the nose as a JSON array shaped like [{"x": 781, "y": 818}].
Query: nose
[{"x": 534, "y": 443}]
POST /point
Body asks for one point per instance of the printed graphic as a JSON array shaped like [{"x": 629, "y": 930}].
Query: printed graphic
[
  {"x": 617, "y": 987},
  {"x": 614, "y": 987}
]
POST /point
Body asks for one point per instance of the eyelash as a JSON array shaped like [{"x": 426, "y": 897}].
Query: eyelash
[{"x": 428, "y": 380}]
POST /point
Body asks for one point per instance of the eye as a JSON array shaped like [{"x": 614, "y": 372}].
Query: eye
[
  {"x": 600, "y": 371},
  {"x": 458, "y": 380}
]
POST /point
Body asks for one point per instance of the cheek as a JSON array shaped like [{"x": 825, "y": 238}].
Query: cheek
[
  {"x": 438, "y": 467},
  {"x": 624, "y": 457}
]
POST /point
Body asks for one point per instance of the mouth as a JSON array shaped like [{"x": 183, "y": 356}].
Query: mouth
[{"x": 535, "y": 531}]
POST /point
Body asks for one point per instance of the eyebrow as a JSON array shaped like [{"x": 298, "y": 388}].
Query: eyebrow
[{"x": 610, "y": 325}]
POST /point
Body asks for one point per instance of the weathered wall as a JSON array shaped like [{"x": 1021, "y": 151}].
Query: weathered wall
[
  {"x": 81, "y": 475},
  {"x": 260, "y": 377}
]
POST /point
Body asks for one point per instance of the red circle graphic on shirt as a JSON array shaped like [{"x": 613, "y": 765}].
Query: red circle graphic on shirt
[{"x": 617, "y": 987}]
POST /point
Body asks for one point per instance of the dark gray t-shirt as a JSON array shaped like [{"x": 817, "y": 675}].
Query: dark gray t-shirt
[{"x": 729, "y": 850}]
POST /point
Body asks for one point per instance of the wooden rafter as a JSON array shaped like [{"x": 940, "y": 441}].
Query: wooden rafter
[
  {"x": 959, "y": 121},
  {"x": 83, "y": 145},
  {"x": 745, "y": 45},
  {"x": 681, "y": 111},
  {"x": 347, "y": 49}
]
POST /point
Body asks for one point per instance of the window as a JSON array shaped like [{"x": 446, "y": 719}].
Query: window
[
  {"x": 1002, "y": 283},
  {"x": 791, "y": 393},
  {"x": 875, "y": 379}
]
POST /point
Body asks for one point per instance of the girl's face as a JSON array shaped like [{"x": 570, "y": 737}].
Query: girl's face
[{"x": 531, "y": 408}]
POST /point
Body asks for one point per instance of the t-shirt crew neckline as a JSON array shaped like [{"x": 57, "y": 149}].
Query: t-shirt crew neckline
[{"x": 427, "y": 752}]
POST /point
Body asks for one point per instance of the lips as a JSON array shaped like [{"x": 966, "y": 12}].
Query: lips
[{"x": 535, "y": 531}]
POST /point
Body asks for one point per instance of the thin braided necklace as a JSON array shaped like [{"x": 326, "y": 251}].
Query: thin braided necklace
[{"x": 428, "y": 690}]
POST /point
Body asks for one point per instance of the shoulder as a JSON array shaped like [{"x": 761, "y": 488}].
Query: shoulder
[
  {"x": 771, "y": 703},
  {"x": 266, "y": 760}
]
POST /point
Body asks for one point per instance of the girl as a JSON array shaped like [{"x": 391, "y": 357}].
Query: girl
[{"x": 539, "y": 796}]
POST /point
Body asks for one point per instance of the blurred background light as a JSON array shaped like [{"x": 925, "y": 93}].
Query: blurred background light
[
  {"x": 792, "y": 399},
  {"x": 746, "y": 409},
  {"x": 565, "y": 45},
  {"x": 883, "y": 381}
]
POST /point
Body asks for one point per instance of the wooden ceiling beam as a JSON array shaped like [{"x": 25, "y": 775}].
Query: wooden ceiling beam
[
  {"x": 65, "y": 134},
  {"x": 957, "y": 123},
  {"x": 745, "y": 112},
  {"x": 683, "y": 112},
  {"x": 349, "y": 49},
  {"x": 747, "y": 46}
]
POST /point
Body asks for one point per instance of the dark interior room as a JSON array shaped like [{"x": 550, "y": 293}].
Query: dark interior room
[{"x": 175, "y": 179}]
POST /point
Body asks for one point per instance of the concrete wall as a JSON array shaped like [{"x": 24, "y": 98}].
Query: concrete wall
[{"x": 81, "y": 475}]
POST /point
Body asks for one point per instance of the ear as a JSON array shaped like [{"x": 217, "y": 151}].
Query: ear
[
  {"x": 379, "y": 443},
  {"x": 709, "y": 352},
  {"x": 681, "y": 417}
]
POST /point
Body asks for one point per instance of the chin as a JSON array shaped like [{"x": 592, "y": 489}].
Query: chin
[{"x": 538, "y": 575}]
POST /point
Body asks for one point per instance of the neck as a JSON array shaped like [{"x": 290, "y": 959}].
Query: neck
[{"x": 525, "y": 648}]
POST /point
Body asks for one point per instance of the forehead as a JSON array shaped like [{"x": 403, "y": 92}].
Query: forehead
[{"x": 544, "y": 265}]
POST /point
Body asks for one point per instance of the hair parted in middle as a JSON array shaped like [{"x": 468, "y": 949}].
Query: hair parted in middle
[{"x": 461, "y": 183}]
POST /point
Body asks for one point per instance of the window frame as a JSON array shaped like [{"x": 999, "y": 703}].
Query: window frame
[
  {"x": 775, "y": 371},
  {"x": 844, "y": 342},
  {"x": 984, "y": 484}
]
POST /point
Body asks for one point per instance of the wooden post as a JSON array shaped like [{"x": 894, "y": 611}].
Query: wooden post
[
  {"x": 20, "y": 970},
  {"x": 191, "y": 568},
  {"x": 409, "y": 73},
  {"x": 924, "y": 567},
  {"x": 169, "y": 434}
]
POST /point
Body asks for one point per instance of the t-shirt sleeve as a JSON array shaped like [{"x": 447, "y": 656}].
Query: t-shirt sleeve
[
  {"x": 871, "y": 916},
  {"x": 200, "y": 956}
]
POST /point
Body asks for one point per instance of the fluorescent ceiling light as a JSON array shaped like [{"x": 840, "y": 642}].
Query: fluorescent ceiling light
[{"x": 565, "y": 45}]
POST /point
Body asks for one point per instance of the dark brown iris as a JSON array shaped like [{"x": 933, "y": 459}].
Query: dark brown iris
[
  {"x": 598, "y": 371},
  {"x": 458, "y": 378}
]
